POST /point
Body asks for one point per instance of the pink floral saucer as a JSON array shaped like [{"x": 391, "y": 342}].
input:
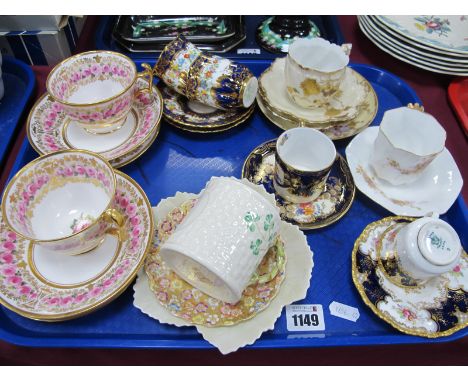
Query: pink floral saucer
[
  {"x": 50, "y": 130},
  {"x": 187, "y": 302},
  {"x": 45, "y": 286}
]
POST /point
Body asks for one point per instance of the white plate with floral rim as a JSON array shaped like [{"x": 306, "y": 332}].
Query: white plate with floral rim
[
  {"x": 44, "y": 286},
  {"x": 50, "y": 130},
  {"x": 437, "y": 308},
  {"x": 434, "y": 191}
]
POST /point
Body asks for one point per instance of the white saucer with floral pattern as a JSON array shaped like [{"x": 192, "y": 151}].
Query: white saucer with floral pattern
[
  {"x": 329, "y": 207},
  {"x": 434, "y": 191},
  {"x": 50, "y": 130},
  {"x": 434, "y": 309},
  {"x": 44, "y": 286}
]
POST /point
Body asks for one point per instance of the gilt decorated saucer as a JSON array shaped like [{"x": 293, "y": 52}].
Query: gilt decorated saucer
[
  {"x": 328, "y": 208},
  {"x": 187, "y": 302},
  {"x": 434, "y": 191},
  {"x": 199, "y": 118},
  {"x": 434, "y": 309},
  {"x": 50, "y": 130},
  {"x": 42, "y": 285}
]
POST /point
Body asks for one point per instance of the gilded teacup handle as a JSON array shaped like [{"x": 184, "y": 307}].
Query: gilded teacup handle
[
  {"x": 117, "y": 219},
  {"x": 262, "y": 279},
  {"x": 147, "y": 72}
]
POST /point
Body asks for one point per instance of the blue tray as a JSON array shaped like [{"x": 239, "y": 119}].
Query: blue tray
[
  {"x": 19, "y": 80},
  {"x": 328, "y": 26},
  {"x": 180, "y": 161}
]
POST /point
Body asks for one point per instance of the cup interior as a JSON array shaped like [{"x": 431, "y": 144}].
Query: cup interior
[
  {"x": 58, "y": 195},
  {"x": 413, "y": 131},
  {"x": 318, "y": 54},
  {"x": 306, "y": 149},
  {"x": 91, "y": 77}
]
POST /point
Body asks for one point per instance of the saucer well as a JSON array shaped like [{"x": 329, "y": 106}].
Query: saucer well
[
  {"x": 41, "y": 285},
  {"x": 328, "y": 208},
  {"x": 187, "y": 302},
  {"x": 435, "y": 191},
  {"x": 50, "y": 130},
  {"x": 437, "y": 308},
  {"x": 198, "y": 118},
  {"x": 342, "y": 106},
  {"x": 334, "y": 130}
]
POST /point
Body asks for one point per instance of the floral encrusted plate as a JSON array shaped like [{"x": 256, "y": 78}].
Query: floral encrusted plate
[
  {"x": 187, "y": 302},
  {"x": 437, "y": 308},
  {"x": 193, "y": 117},
  {"x": 45, "y": 286},
  {"x": 50, "y": 130},
  {"x": 329, "y": 207}
]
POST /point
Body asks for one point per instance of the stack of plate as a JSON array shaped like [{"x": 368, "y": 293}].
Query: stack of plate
[{"x": 435, "y": 43}]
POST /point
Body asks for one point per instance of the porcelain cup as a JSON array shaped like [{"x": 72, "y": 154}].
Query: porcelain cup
[
  {"x": 97, "y": 88},
  {"x": 407, "y": 142},
  {"x": 63, "y": 201},
  {"x": 314, "y": 70},
  {"x": 221, "y": 242},
  {"x": 426, "y": 248},
  {"x": 210, "y": 80},
  {"x": 303, "y": 160}
]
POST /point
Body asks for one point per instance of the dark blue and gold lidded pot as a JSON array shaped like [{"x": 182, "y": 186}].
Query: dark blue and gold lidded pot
[
  {"x": 211, "y": 80},
  {"x": 303, "y": 160}
]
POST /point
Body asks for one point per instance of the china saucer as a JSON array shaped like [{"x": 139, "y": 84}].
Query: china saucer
[
  {"x": 334, "y": 130},
  {"x": 343, "y": 106},
  {"x": 198, "y": 118},
  {"x": 328, "y": 208},
  {"x": 435, "y": 191},
  {"x": 187, "y": 302},
  {"x": 41, "y": 285},
  {"x": 437, "y": 308},
  {"x": 50, "y": 130}
]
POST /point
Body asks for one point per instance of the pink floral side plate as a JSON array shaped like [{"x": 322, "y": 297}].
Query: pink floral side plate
[
  {"x": 49, "y": 129},
  {"x": 435, "y": 309},
  {"x": 38, "y": 284}
]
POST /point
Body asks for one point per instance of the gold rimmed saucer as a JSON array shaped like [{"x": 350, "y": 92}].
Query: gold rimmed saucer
[
  {"x": 185, "y": 301},
  {"x": 49, "y": 129}
]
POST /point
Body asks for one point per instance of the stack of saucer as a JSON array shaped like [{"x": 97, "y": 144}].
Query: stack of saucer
[
  {"x": 294, "y": 92},
  {"x": 97, "y": 101},
  {"x": 435, "y": 43}
]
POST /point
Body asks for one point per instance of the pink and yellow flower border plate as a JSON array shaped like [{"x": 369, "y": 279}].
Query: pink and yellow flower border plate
[{"x": 23, "y": 292}]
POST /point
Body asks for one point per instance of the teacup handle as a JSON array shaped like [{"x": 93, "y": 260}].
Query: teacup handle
[
  {"x": 147, "y": 72},
  {"x": 262, "y": 279},
  {"x": 115, "y": 217}
]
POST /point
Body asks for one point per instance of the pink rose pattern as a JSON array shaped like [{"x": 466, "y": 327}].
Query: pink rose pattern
[
  {"x": 188, "y": 302},
  {"x": 21, "y": 288},
  {"x": 49, "y": 118}
]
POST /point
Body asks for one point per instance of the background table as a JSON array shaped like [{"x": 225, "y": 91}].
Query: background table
[{"x": 432, "y": 89}]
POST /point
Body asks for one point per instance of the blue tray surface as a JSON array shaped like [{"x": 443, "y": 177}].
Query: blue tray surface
[
  {"x": 180, "y": 161},
  {"x": 328, "y": 26},
  {"x": 18, "y": 79}
]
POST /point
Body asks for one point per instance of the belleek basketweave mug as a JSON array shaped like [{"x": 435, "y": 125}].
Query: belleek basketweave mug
[
  {"x": 221, "y": 242},
  {"x": 97, "y": 88},
  {"x": 63, "y": 201},
  {"x": 211, "y": 80},
  {"x": 303, "y": 160},
  {"x": 314, "y": 70},
  {"x": 407, "y": 142}
]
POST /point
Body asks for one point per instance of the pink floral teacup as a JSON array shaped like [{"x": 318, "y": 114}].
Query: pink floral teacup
[
  {"x": 97, "y": 88},
  {"x": 63, "y": 201}
]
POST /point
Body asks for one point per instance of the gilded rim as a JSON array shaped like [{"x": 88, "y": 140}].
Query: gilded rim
[
  {"x": 41, "y": 158},
  {"x": 156, "y": 128},
  {"x": 111, "y": 297},
  {"x": 267, "y": 147},
  {"x": 363, "y": 237},
  {"x": 202, "y": 130},
  {"x": 128, "y": 59}
]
